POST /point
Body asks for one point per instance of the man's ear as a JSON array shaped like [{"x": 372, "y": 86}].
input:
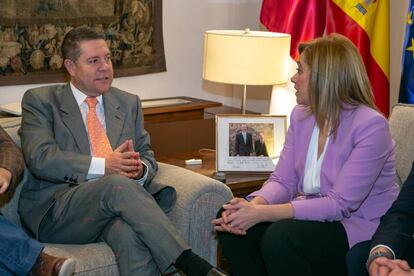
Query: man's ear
[{"x": 70, "y": 66}]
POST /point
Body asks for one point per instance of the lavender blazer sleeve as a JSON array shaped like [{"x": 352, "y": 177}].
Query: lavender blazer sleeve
[{"x": 357, "y": 174}]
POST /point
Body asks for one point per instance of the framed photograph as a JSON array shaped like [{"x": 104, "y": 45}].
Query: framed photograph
[{"x": 249, "y": 143}]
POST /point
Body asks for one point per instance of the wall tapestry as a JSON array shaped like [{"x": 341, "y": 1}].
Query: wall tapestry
[{"x": 31, "y": 33}]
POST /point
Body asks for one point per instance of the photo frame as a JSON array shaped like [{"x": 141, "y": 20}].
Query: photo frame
[
  {"x": 249, "y": 143},
  {"x": 31, "y": 33}
]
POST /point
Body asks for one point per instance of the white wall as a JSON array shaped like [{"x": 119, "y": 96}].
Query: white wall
[{"x": 184, "y": 22}]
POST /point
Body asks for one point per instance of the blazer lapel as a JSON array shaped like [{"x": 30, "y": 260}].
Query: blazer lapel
[
  {"x": 114, "y": 119},
  {"x": 72, "y": 118}
]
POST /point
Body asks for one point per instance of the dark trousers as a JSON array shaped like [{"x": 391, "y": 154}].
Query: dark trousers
[
  {"x": 287, "y": 247},
  {"x": 18, "y": 252},
  {"x": 358, "y": 255},
  {"x": 120, "y": 212}
]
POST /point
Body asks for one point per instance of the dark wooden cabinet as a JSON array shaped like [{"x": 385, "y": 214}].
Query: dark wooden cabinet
[
  {"x": 185, "y": 127},
  {"x": 182, "y": 136}
]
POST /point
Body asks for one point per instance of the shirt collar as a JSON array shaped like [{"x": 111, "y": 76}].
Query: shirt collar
[{"x": 80, "y": 96}]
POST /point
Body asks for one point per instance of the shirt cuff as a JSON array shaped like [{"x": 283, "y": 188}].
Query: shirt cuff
[
  {"x": 96, "y": 169},
  {"x": 142, "y": 180}
]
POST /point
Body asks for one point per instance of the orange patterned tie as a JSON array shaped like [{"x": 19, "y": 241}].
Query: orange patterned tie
[{"x": 99, "y": 141}]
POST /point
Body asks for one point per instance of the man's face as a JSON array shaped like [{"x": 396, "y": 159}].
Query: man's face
[
  {"x": 92, "y": 73},
  {"x": 243, "y": 128}
]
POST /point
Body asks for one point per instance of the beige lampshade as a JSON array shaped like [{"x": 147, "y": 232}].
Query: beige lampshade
[{"x": 246, "y": 57}]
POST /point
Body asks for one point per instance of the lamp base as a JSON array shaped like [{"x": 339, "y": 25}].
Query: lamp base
[{"x": 243, "y": 104}]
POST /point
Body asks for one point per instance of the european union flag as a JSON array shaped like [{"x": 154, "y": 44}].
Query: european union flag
[{"x": 407, "y": 78}]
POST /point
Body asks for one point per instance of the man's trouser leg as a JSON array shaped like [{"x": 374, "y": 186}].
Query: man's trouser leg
[
  {"x": 124, "y": 243},
  {"x": 18, "y": 252},
  {"x": 82, "y": 213}
]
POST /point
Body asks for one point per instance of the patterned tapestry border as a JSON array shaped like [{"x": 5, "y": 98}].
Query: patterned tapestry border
[{"x": 31, "y": 33}]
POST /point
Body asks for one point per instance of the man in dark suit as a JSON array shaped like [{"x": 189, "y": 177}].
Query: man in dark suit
[
  {"x": 19, "y": 254},
  {"x": 91, "y": 167},
  {"x": 244, "y": 142},
  {"x": 260, "y": 146},
  {"x": 392, "y": 246}
]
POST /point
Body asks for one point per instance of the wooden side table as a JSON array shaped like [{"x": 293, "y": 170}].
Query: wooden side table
[{"x": 241, "y": 184}]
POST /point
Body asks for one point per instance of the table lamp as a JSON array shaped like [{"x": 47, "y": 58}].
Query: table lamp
[{"x": 246, "y": 58}]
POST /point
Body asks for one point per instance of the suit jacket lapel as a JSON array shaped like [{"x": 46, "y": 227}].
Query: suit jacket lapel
[
  {"x": 114, "y": 119},
  {"x": 72, "y": 118}
]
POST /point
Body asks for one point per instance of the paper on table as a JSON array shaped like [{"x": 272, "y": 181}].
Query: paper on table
[
  {"x": 165, "y": 102},
  {"x": 12, "y": 108}
]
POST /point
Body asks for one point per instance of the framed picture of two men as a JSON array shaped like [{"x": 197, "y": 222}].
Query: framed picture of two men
[{"x": 249, "y": 143}]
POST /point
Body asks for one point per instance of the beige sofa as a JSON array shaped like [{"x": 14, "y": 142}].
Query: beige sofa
[{"x": 198, "y": 199}]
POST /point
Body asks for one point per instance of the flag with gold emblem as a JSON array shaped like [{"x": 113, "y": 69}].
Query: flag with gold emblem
[
  {"x": 407, "y": 76},
  {"x": 366, "y": 23}
]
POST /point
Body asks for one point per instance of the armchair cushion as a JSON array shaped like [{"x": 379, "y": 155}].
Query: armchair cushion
[{"x": 401, "y": 126}]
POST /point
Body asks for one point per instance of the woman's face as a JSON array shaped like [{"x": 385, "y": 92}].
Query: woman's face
[{"x": 301, "y": 81}]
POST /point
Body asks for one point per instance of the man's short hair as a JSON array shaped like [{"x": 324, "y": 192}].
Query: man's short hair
[{"x": 70, "y": 45}]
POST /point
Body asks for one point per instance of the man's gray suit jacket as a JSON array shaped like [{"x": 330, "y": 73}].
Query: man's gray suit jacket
[{"x": 57, "y": 152}]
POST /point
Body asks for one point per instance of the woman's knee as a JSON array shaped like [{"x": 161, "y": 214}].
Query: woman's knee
[
  {"x": 276, "y": 237},
  {"x": 356, "y": 258}
]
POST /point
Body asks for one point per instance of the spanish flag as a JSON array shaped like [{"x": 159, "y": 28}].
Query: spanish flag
[
  {"x": 407, "y": 77},
  {"x": 365, "y": 22}
]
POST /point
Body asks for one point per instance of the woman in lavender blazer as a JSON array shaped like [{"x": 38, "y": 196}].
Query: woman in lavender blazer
[{"x": 334, "y": 180}]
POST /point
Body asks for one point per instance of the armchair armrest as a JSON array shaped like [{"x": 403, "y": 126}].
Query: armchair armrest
[{"x": 198, "y": 199}]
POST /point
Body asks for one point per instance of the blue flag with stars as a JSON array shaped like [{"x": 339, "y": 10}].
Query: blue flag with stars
[{"x": 407, "y": 77}]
